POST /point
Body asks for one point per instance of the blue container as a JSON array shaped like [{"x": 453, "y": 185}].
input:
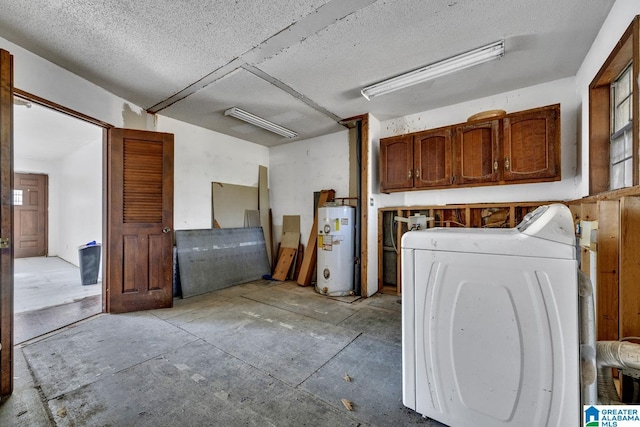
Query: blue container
[{"x": 89, "y": 256}]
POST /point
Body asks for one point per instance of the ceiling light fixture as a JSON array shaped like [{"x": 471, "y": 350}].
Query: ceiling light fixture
[
  {"x": 260, "y": 122},
  {"x": 437, "y": 69}
]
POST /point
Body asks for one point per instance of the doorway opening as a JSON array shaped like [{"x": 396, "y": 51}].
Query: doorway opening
[{"x": 64, "y": 154}]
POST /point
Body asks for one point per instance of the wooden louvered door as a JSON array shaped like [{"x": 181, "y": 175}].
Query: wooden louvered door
[{"x": 140, "y": 220}]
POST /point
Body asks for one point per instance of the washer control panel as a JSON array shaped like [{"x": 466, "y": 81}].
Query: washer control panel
[
  {"x": 551, "y": 222},
  {"x": 531, "y": 217}
]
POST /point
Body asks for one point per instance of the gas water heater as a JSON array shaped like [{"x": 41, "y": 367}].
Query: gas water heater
[{"x": 336, "y": 229}]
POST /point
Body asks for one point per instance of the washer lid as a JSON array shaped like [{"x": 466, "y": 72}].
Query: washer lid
[{"x": 551, "y": 222}]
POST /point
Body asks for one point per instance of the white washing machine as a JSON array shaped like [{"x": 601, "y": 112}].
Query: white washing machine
[{"x": 490, "y": 323}]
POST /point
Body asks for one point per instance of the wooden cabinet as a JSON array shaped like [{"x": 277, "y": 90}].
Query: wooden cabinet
[
  {"x": 396, "y": 163},
  {"x": 532, "y": 144},
  {"x": 419, "y": 160},
  {"x": 477, "y": 152},
  {"x": 517, "y": 148},
  {"x": 432, "y": 158}
]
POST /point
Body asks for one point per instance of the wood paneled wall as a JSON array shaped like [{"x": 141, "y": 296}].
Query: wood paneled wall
[{"x": 618, "y": 260}]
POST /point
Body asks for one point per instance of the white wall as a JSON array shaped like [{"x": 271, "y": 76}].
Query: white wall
[
  {"x": 615, "y": 25},
  {"x": 79, "y": 200},
  {"x": 201, "y": 157},
  {"x": 74, "y": 198},
  {"x": 299, "y": 169},
  {"x": 26, "y": 165}
]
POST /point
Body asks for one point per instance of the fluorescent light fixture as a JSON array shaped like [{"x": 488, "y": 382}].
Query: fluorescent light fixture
[
  {"x": 260, "y": 122},
  {"x": 437, "y": 69}
]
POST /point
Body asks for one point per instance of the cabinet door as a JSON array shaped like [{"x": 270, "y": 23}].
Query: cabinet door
[
  {"x": 432, "y": 158},
  {"x": 532, "y": 144},
  {"x": 476, "y": 147},
  {"x": 396, "y": 163}
]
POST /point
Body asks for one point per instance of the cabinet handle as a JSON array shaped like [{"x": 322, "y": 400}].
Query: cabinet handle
[
  {"x": 495, "y": 165},
  {"x": 417, "y": 173},
  {"x": 409, "y": 174},
  {"x": 506, "y": 163}
]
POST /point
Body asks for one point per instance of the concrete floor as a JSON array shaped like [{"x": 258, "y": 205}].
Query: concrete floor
[
  {"x": 262, "y": 353},
  {"x": 48, "y": 295},
  {"x": 42, "y": 282},
  {"x": 32, "y": 324}
]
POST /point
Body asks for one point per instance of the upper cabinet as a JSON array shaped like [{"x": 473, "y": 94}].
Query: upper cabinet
[
  {"x": 516, "y": 148},
  {"x": 396, "y": 163},
  {"x": 477, "y": 146},
  {"x": 420, "y": 160},
  {"x": 432, "y": 158},
  {"x": 532, "y": 144}
]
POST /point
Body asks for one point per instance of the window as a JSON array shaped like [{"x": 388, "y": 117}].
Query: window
[
  {"x": 17, "y": 197},
  {"x": 614, "y": 125},
  {"x": 621, "y": 149}
]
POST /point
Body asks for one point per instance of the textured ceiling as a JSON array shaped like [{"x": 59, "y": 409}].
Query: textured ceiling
[{"x": 300, "y": 63}]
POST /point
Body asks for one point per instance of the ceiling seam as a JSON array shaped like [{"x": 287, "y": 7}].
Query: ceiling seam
[
  {"x": 291, "y": 91},
  {"x": 321, "y": 18},
  {"x": 205, "y": 81}
]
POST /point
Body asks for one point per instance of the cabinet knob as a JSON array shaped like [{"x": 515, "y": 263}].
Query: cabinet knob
[
  {"x": 417, "y": 173},
  {"x": 506, "y": 163},
  {"x": 409, "y": 174},
  {"x": 495, "y": 165}
]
